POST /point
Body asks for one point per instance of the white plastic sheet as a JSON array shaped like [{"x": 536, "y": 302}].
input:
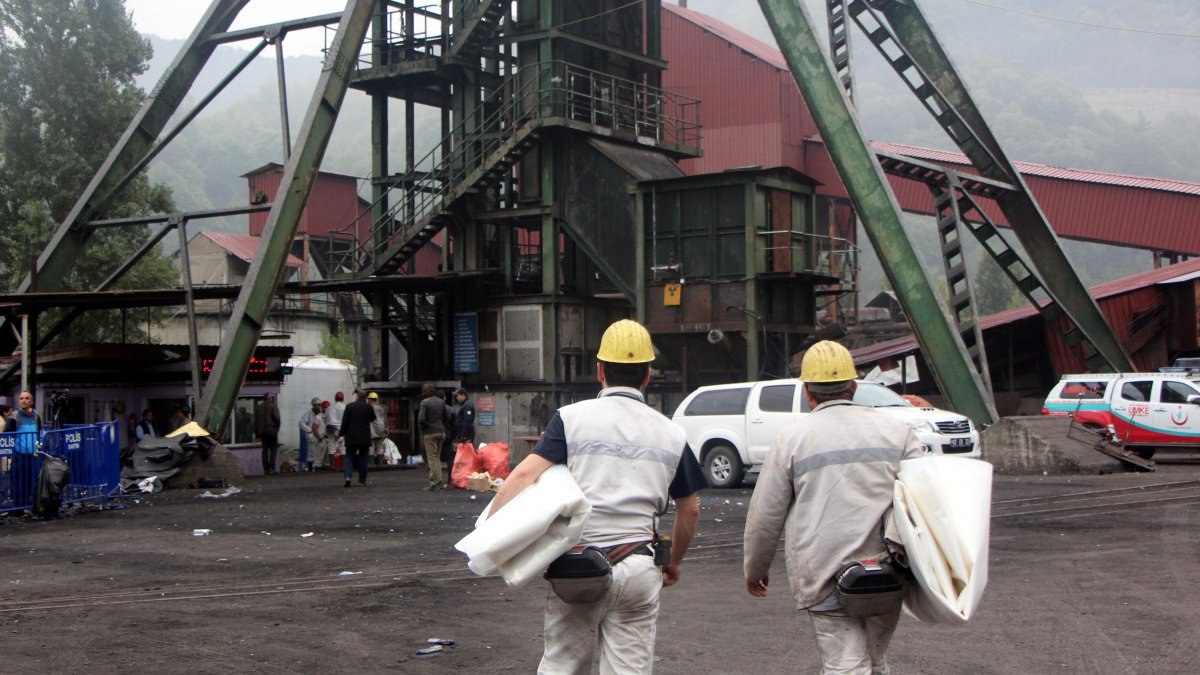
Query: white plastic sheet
[
  {"x": 943, "y": 517},
  {"x": 538, "y": 525}
]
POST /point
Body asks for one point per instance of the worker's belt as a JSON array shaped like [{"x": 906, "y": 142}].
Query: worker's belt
[
  {"x": 622, "y": 551},
  {"x": 584, "y": 573}
]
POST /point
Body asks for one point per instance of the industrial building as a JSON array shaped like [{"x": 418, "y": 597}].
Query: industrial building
[{"x": 597, "y": 161}]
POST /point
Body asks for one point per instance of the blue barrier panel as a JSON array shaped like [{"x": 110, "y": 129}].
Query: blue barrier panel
[
  {"x": 18, "y": 469},
  {"x": 90, "y": 450}
]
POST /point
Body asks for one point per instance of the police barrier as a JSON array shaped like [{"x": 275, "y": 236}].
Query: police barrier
[{"x": 90, "y": 450}]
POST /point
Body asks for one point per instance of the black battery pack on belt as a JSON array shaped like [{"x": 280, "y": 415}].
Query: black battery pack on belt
[
  {"x": 662, "y": 549},
  {"x": 868, "y": 588},
  {"x": 581, "y": 575}
]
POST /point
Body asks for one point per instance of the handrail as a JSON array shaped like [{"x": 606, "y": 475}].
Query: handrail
[
  {"x": 819, "y": 253},
  {"x": 553, "y": 89}
]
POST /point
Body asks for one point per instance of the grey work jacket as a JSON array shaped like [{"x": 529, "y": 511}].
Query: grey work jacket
[{"x": 825, "y": 485}]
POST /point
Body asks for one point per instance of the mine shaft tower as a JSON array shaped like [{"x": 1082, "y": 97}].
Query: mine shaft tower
[{"x": 556, "y": 140}]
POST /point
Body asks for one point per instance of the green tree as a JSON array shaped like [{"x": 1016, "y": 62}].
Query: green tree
[
  {"x": 338, "y": 345},
  {"x": 994, "y": 291},
  {"x": 67, "y": 92}
]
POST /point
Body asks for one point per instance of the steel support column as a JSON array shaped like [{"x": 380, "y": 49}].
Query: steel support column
[
  {"x": 265, "y": 272},
  {"x": 875, "y": 203}
]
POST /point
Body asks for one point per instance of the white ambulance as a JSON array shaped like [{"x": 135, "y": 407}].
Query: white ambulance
[{"x": 1142, "y": 411}]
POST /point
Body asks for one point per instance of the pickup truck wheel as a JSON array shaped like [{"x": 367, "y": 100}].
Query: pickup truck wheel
[{"x": 723, "y": 467}]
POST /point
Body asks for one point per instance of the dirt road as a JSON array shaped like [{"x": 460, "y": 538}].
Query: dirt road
[{"x": 1092, "y": 574}]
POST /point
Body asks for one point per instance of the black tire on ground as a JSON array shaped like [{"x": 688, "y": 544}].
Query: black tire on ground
[{"x": 723, "y": 467}]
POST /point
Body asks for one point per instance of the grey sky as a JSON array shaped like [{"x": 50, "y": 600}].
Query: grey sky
[{"x": 177, "y": 18}]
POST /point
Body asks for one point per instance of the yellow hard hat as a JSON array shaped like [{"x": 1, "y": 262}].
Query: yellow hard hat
[
  {"x": 626, "y": 342},
  {"x": 373, "y": 395},
  {"x": 827, "y": 362}
]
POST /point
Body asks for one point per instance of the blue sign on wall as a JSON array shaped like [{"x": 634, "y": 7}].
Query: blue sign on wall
[{"x": 466, "y": 342}]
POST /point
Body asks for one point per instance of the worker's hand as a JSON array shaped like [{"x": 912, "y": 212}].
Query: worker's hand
[
  {"x": 671, "y": 573},
  {"x": 758, "y": 588}
]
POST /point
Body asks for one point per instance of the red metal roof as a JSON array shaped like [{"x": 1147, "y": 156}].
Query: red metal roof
[
  {"x": 243, "y": 246},
  {"x": 1177, "y": 273},
  {"x": 1062, "y": 173},
  {"x": 752, "y": 45},
  {"x": 727, "y": 70}
]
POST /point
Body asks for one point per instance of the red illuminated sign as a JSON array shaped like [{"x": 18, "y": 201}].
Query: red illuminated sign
[{"x": 257, "y": 365}]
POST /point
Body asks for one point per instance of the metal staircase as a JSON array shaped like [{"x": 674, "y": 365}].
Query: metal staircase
[
  {"x": 482, "y": 20},
  {"x": 486, "y": 145}
]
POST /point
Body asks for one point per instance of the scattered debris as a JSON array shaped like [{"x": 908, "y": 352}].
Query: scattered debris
[
  {"x": 307, "y": 534},
  {"x": 436, "y": 649},
  {"x": 229, "y": 491},
  {"x": 348, "y": 574},
  {"x": 150, "y": 484},
  {"x": 201, "y": 532},
  {"x": 440, "y": 641}
]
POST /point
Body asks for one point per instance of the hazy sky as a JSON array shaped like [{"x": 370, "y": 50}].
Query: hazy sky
[{"x": 177, "y": 18}]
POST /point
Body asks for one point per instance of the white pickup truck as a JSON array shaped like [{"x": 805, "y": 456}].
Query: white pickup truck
[{"x": 731, "y": 427}]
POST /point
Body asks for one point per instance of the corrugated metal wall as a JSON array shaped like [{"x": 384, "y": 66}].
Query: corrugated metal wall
[
  {"x": 753, "y": 114},
  {"x": 742, "y": 127},
  {"x": 332, "y": 206}
]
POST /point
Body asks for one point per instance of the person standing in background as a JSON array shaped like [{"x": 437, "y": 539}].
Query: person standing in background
[
  {"x": 379, "y": 430},
  {"x": 464, "y": 417},
  {"x": 356, "y": 430},
  {"x": 145, "y": 428},
  {"x": 333, "y": 424},
  {"x": 433, "y": 431},
  {"x": 312, "y": 435},
  {"x": 266, "y": 427}
]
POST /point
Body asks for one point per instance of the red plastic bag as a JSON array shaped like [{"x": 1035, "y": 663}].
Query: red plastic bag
[
  {"x": 495, "y": 458},
  {"x": 466, "y": 462}
]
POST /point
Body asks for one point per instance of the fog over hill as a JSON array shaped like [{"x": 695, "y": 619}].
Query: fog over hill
[{"x": 1108, "y": 85}]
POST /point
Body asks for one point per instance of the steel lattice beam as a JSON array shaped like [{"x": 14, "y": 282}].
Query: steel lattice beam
[
  {"x": 873, "y": 199},
  {"x": 266, "y": 270},
  {"x": 926, "y": 68}
]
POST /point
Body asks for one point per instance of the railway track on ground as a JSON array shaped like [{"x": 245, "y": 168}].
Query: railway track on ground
[{"x": 1089, "y": 503}]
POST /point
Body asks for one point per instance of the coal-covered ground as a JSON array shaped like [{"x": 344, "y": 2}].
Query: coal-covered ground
[{"x": 1093, "y": 574}]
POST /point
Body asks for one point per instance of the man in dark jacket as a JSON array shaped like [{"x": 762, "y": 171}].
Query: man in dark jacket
[
  {"x": 433, "y": 432},
  {"x": 266, "y": 427},
  {"x": 356, "y": 430},
  {"x": 464, "y": 419}
]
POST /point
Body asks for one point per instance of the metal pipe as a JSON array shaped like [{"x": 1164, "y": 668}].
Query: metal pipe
[
  {"x": 193, "y": 340},
  {"x": 283, "y": 105}
]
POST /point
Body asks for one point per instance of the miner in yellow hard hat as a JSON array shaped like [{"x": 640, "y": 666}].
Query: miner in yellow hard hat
[
  {"x": 826, "y": 485},
  {"x": 628, "y": 460}
]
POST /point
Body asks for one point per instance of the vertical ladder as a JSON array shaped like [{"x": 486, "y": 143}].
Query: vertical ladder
[
  {"x": 839, "y": 43},
  {"x": 962, "y": 299}
]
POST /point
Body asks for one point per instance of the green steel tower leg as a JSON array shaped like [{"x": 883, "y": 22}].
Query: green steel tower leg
[
  {"x": 873, "y": 199},
  {"x": 924, "y": 61},
  {"x": 59, "y": 256},
  {"x": 245, "y": 326}
]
